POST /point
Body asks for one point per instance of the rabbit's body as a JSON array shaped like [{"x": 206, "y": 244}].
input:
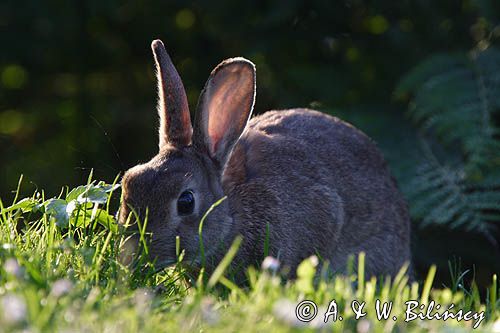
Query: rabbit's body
[
  {"x": 298, "y": 180},
  {"x": 323, "y": 188}
]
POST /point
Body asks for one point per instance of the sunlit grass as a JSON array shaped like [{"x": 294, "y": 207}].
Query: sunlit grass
[{"x": 60, "y": 270}]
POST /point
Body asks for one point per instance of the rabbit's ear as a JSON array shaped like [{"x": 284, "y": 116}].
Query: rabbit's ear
[
  {"x": 175, "y": 122},
  {"x": 225, "y": 105}
]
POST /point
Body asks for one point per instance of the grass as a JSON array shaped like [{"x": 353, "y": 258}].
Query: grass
[{"x": 60, "y": 270}]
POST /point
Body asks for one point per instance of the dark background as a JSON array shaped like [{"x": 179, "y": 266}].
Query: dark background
[{"x": 77, "y": 88}]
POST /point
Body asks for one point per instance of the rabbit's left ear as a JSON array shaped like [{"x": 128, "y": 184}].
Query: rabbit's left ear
[{"x": 225, "y": 106}]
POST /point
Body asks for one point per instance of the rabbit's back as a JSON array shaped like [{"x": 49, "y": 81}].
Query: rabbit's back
[{"x": 323, "y": 188}]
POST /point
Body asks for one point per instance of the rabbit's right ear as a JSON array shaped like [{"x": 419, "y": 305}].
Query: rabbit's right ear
[
  {"x": 175, "y": 122},
  {"x": 225, "y": 106}
]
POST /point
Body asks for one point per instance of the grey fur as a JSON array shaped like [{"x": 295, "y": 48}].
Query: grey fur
[{"x": 320, "y": 184}]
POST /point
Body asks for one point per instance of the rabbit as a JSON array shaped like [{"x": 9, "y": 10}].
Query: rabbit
[{"x": 297, "y": 182}]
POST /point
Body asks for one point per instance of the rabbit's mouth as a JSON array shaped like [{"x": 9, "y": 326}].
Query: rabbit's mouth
[
  {"x": 192, "y": 268},
  {"x": 161, "y": 265},
  {"x": 191, "y": 263}
]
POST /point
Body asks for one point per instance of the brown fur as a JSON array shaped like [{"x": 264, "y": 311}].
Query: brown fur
[{"x": 320, "y": 184}]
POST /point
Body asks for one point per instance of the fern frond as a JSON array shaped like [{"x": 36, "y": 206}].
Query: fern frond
[
  {"x": 441, "y": 194},
  {"x": 457, "y": 98},
  {"x": 454, "y": 101},
  {"x": 416, "y": 77}
]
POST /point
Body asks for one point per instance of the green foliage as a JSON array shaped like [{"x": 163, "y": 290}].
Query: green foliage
[
  {"x": 80, "y": 207},
  {"x": 77, "y": 85},
  {"x": 454, "y": 101},
  {"x": 58, "y": 274}
]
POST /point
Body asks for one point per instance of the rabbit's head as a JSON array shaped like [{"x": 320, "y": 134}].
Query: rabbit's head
[{"x": 173, "y": 191}]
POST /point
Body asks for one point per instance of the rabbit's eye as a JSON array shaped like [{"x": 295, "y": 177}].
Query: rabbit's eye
[{"x": 185, "y": 203}]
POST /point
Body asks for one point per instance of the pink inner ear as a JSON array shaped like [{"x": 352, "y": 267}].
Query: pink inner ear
[
  {"x": 214, "y": 143},
  {"x": 231, "y": 95},
  {"x": 217, "y": 125}
]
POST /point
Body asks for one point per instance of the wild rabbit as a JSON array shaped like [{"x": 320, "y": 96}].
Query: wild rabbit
[{"x": 301, "y": 181}]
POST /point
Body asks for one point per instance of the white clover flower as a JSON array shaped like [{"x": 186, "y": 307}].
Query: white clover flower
[
  {"x": 14, "y": 309},
  {"x": 270, "y": 264},
  {"x": 142, "y": 300},
  {"x": 496, "y": 326},
  {"x": 61, "y": 287},
  {"x": 363, "y": 326},
  {"x": 11, "y": 266},
  {"x": 208, "y": 311},
  {"x": 286, "y": 311}
]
